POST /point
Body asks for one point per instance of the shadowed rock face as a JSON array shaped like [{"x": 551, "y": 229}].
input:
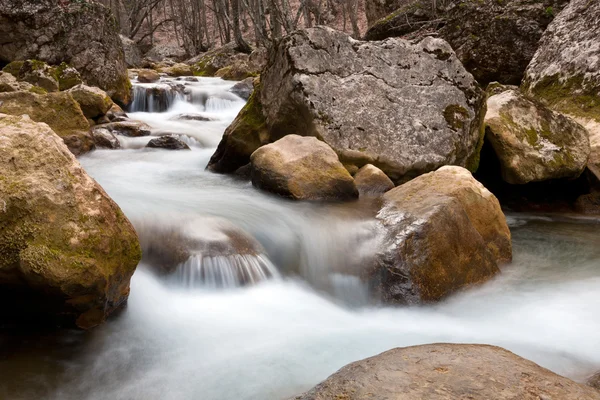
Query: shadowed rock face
[
  {"x": 83, "y": 34},
  {"x": 447, "y": 372},
  {"x": 442, "y": 231},
  {"x": 405, "y": 108},
  {"x": 67, "y": 252},
  {"x": 495, "y": 40}
]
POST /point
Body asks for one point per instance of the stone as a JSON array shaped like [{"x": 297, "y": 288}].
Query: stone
[
  {"x": 67, "y": 76},
  {"x": 115, "y": 112},
  {"x": 132, "y": 53},
  {"x": 405, "y": 108},
  {"x": 594, "y": 381},
  {"x": 371, "y": 181},
  {"x": 67, "y": 252},
  {"x": 161, "y": 52},
  {"x": 168, "y": 142},
  {"x": 38, "y": 73},
  {"x": 147, "y": 76},
  {"x": 494, "y": 88},
  {"x": 129, "y": 128},
  {"x": 440, "y": 232},
  {"x": 179, "y": 69},
  {"x": 191, "y": 117},
  {"x": 104, "y": 139},
  {"x": 532, "y": 142},
  {"x": 59, "y": 110},
  {"x": 237, "y": 71},
  {"x": 207, "y": 64},
  {"x": 244, "y": 88},
  {"x": 94, "y": 102},
  {"x": 444, "y": 371},
  {"x": 8, "y": 83},
  {"x": 83, "y": 34},
  {"x": 495, "y": 40},
  {"x": 302, "y": 168}
]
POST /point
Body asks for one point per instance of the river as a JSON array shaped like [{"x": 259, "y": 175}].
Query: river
[{"x": 178, "y": 339}]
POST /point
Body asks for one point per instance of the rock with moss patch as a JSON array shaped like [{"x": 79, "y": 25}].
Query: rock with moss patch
[
  {"x": 40, "y": 74},
  {"x": 83, "y": 34},
  {"x": 178, "y": 69},
  {"x": 405, "y": 108},
  {"x": 237, "y": 71},
  {"x": 67, "y": 76},
  {"x": 67, "y": 252},
  {"x": 371, "y": 181},
  {"x": 302, "y": 168},
  {"x": 59, "y": 110},
  {"x": 441, "y": 232},
  {"x": 147, "y": 76},
  {"x": 532, "y": 142},
  {"x": 207, "y": 64},
  {"x": 444, "y": 371},
  {"x": 494, "y": 39},
  {"x": 8, "y": 83},
  {"x": 244, "y": 88},
  {"x": 94, "y": 102}
]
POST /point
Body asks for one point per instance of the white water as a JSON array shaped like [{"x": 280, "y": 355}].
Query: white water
[{"x": 283, "y": 336}]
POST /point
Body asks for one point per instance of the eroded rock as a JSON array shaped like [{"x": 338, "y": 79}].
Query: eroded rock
[
  {"x": 104, "y": 139},
  {"x": 371, "y": 181},
  {"x": 94, "y": 102},
  {"x": 67, "y": 252},
  {"x": 148, "y": 76},
  {"x": 132, "y": 53}
]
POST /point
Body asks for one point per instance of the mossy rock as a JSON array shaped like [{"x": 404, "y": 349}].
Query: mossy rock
[
  {"x": 94, "y": 102},
  {"x": 67, "y": 76},
  {"x": 67, "y": 252},
  {"x": 13, "y": 68}
]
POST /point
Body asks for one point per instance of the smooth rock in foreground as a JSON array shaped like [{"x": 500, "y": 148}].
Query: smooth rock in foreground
[
  {"x": 405, "y": 108},
  {"x": 532, "y": 142},
  {"x": 371, "y": 181},
  {"x": 67, "y": 252},
  {"x": 441, "y": 232},
  {"x": 302, "y": 168},
  {"x": 448, "y": 372},
  {"x": 168, "y": 142}
]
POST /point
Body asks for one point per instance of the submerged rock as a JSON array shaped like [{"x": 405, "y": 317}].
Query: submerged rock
[
  {"x": 495, "y": 40},
  {"x": 447, "y": 371},
  {"x": 59, "y": 110},
  {"x": 130, "y": 128},
  {"x": 168, "y": 142},
  {"x": 302, "y": 168},
  {"x": 94, "y": 102},
  {"x": 371, "y": 181},
  {"x": 405, "y": 108},
  {"x": 532, "y": 142},
  {"x": 82, "y": 34},
  {"x": 191, "y": 117},
  {"x": 442, "y": 232},
  {"x": 67, "y": 252}
]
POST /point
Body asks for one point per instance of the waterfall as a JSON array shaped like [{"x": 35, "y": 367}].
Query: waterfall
[
  {"x": 154, "y": 98},
  {"x": 225, "y": 271}
]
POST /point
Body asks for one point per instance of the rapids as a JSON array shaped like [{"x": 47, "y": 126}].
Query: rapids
[{"x": 185, "y": 339}]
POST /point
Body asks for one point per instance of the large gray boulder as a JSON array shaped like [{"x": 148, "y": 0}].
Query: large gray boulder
[
  {"x": 495, "y": 40},
  {"x": 447, "y": 372},
  {"x": 132, "y": 53},
  {"x": 83, "y": 34},
  {"x": 302, "y": 168},
  {"x": 405, "y": 108},
  {"x": 441, "y": 232},
  {"x": 67, "y": 252},
  {"x": 532, "y": 142},
  {"x": 565, "y": 71}
]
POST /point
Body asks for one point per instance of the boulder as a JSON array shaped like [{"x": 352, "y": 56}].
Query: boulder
[
  {"x": 132, "y": 53},
  {"x": 8, "y": 83},
  {"x": 129, "y": 128},
  {"x": 162, "y": 51},
  {"x": 67, "y": 252},
  {"x": 565, "y": 72},
  {"x": 495, "y": 40},
  {"x": 179, "y": 69},
  {"x": 371, "y": 181},
  {"x": 405, "y": 108},
  {"x": 13, "y": 67},
  {"x": 244, "y": 88},
  {"x": 302, "y": 168},
  {"x": 594, "y": 381},
  {"x": 441, "y": 232},
  {"x": 104, "y": 139},
  {"x": 83, "y": 34},
  {"x": 148, "y": 76},
  {"x": 532, "y": 142},
  {"x": 168, "y": 142},
  {"x": 115, "y": 112},
  {"x": 207, "y": 64},
  {"x": 67, "y": 76},
  {"x": 94, "y": 102},
  {"x": 237, "y": 71},
  {"x": 39, "y": 74},
  {"x": 447, "y": 371},
  {"x": 59, "y": 110}
]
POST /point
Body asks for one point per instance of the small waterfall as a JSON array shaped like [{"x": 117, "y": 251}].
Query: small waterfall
[
  {"x": 215, "y": 104},
  {"x": 225, "y": 271},
  {"x": 154, "y": 98}
]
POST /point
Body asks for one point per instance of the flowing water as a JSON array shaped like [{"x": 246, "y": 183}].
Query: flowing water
[{"x": 203, "y": 335}]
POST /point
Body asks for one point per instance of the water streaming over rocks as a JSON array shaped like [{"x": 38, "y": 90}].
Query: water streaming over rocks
[{"x": 184, "y": 336}]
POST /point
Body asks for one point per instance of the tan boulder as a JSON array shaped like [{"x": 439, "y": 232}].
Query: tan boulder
[
  {"x": 302, "y": 168},
  {"x": 148, "y": 76},
  {"x": 67, "y": 252},
  {"x": 94, "y": 102},
  {"x": 371, "y": 181}
]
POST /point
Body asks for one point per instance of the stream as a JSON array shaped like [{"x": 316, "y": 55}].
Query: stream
[{"x": 186, "y": 336}]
